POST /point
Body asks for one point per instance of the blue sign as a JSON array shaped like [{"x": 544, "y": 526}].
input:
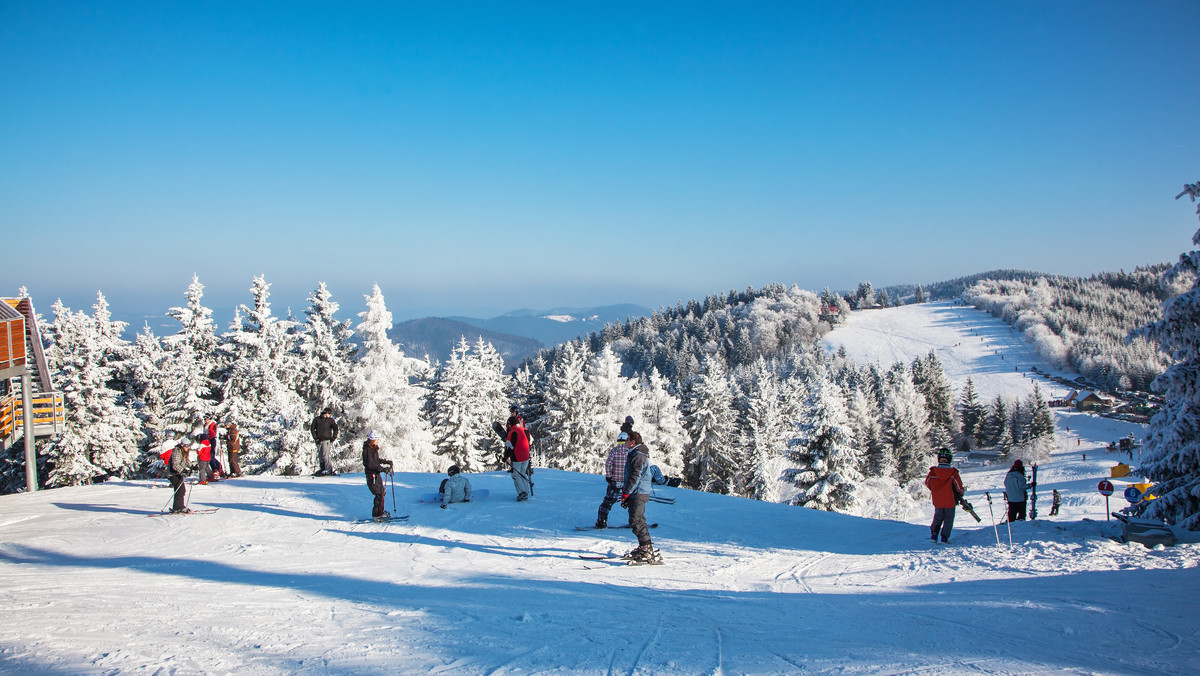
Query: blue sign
[{"x": 1133, "y": 495}]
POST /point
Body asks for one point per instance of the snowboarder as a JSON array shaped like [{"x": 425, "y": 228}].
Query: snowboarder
[
  {"x": 945, "y": 486},
  {"x": 1016, "y": 491},
  {"x": 517, "y": 444},
  {"x": 1055, "y": 501},
  {"x": 324, "y": 431},
  {"x": 635, "y": 492},
  {"x": 233, "y": 443},
  {"x": 455, "y": 487},
  {"x": 177, "y": 467},
  {"x": 374, "y": 467},
  {"x": 614, "y": 476}
]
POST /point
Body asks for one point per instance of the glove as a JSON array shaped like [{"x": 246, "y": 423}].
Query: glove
[{"x": 625, "y": 501}]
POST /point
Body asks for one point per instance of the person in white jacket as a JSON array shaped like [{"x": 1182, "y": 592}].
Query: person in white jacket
[
  {"x": 455, "y": 487},
  {"x": 1016, "y": 491}
]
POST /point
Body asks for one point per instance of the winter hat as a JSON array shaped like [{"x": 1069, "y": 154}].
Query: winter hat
[
  {"x": 945, "y": 455},
  {"x": 1018, "y": 466},
  {"x": 372, "y": 436},
  {"x": 628, "y": 420},
  {"x": 622, "y": 436},
  {"x": 453, "y": 470},
  {"x": 327, "y": 409},
  {"x": 185, "y": 442}
]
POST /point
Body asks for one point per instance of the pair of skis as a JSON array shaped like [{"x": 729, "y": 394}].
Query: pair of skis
[
  {"x": 390, "y": 519},
  {"x": 625, "y": 525},
  {"x": 623, "y": 559}
]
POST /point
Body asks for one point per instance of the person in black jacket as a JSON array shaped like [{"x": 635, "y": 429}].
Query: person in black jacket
[
  {"x": 324, "y": 431},
  {"x": 176, "y": 468},
  {"x": 374, "y": 467}
]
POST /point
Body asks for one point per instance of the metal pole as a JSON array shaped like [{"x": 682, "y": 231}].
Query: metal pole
[
  {"x": 993, "y": 515},
  {"x": 393, "y": 482},
  {"x": 31, "y": 479}
]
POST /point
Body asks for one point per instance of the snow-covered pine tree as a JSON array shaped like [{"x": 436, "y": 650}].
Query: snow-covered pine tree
[
  {"x": 711, "y": 424},
  {"x": 384, "y": 399},
  {"x": 326, "y": 357},
  {"x": 930, "y": 380},
  {"x": 827, "y": 462},
  {"x": 971, "y": 412},
  {"x": 906, "y": 426},
  {"x": 567, "y": 424},
  {"x": 657, "y": 418},
  {"x": 468, "y": 394},
  {"x": 864, "y": 415},
  {"x": 148, "y": 388},
  {"x": 1171, "y": 457},
  {"x": 765, "y": 431},
  {"x": 613, "y": 397},
  {"x": 188, "y": 372},
  {"x": 1040, "y": 440},
  {"x": 256, "y": 389},
  {"x": 100, "y": 435}
]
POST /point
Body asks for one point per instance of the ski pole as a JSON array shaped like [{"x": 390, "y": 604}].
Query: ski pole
[
  {"x": 393, "y": 482},
  {"x": 169, "y": 501},
  {"x": 993, "y": 515},
  {"x": 1008, "y": 523}
]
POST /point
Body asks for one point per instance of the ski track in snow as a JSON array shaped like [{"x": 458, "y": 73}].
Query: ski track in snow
[{"x": 280, "y": 581}]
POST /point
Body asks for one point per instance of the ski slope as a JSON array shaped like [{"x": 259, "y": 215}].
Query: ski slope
[{"x": 281, "y": 581}]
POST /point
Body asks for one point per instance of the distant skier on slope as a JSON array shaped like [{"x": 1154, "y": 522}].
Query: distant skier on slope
[
  {"x": 614, "y": 477},
  {"x": 455, "y": 487},
  {"x": 945, "y": 486},
  {"x": 635, "y": 492},
  {"x": 1016, "y": 491},
  {"x": 177, "y": 467},
  {"x": 374, "y": 467}
]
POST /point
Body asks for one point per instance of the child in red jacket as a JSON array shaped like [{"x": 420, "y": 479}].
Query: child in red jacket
[{"x": 946, "y": 486}]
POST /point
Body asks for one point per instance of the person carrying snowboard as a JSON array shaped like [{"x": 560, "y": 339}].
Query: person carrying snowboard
[
  {"x": 517, "y": 444},
  {"x": 177, "y": 467},
  {"x": 455, "y": 487},
  {"x": 946, "y": 487},
  {"x": 635, "y": 492},
  {"x": 614, "y": 476},
  {"x": 1016, "y": 491},
  {"x": 374, "y": 468}
]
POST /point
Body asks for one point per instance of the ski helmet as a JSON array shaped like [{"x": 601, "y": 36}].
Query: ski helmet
[
  {"x": 945, "y": 455},
  {"x": 454, "y": 469}
]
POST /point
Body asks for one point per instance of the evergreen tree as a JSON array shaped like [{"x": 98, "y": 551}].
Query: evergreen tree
[
  {"x": 567, "y": 425},
  {"x": 930, "y": 380},
  {"x": 383, "y": 397},
  {"x": 467, "y": 396},
  {"x": 711, "y": 428},
  {"x": 100, "y": 435},
  {"x": 1172, "y": 454},
  {"x": 920, "y": 294},
  {"x": 148, "y": 387},
  {"x": 824, "y": 451},
  {"x": 994, "y": 430},
  {"x": 188, "y": 375},
  {"x": 326, "y": 356},
  {"x": 765, "y": 433},
  {"x": 1040, "y": 441},
  {"x": 658, "y": 420},
  {"x": 864, "y": 414},
  {"x": 906, "y": 426},
  {"x": 971, "y": 412}
]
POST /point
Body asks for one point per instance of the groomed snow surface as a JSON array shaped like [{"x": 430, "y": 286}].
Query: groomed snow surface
[{"x": 281, "y": 580}]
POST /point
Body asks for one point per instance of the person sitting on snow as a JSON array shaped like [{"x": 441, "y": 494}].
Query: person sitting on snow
[{"x": 455, "y": 487}]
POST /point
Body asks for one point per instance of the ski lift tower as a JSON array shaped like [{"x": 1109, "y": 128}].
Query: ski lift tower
[{"x": 28, "y": 402}]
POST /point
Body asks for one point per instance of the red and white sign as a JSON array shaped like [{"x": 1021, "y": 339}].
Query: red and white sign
[{"x": 1105, "y": 487}]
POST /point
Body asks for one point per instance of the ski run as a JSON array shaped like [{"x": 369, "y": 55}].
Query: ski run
[{"x": 281, "y": 580}]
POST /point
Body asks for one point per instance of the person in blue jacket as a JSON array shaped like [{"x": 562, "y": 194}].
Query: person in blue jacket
[{"x": 634, "y": 495}]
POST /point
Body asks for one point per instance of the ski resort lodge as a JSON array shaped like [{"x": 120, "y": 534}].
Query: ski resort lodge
[{"x": 29, "y": 406}]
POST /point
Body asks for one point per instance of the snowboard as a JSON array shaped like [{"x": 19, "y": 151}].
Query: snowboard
[
  {"x": 477, "y": 494},
  {"x": 626, "y": 526}
]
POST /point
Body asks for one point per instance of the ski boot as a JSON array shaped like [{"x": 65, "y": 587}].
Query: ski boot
[{"x": 601, "y": 524}]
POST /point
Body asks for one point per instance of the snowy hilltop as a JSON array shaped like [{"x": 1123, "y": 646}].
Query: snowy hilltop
[{"x": 283, "y": 579}]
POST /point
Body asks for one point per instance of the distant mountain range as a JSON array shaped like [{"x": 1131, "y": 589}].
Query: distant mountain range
[{"x": 516, "y": 335}]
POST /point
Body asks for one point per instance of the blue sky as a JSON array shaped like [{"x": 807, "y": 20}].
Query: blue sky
[{"x": 478, "y": 158}]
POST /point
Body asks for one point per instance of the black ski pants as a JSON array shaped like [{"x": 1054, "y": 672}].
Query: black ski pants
[
  {"x": 180, "y": 493},
  {"x": 1016, "y": 511},
  {"x": 637, "y": 518},
  {"x": 375, "y": 484},
  {"x": 611, "y": 497}
]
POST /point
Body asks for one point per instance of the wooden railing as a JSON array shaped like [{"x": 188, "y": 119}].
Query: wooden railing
[
  {"x": 12, "y": 337},
  {"x": 45, "y": 407}
]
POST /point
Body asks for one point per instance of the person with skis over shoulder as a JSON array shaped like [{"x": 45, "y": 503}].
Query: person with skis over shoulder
[
  {"x": 946, "y": 487},
  {"x": 1016, "y": 491},
  {"x": 177, "y": 467},
  {"x": 374, "y": 467},
  {"x": 635, "y": 493},
  {"x": 1056, "y": 500},
  {"x": 203, "y": 457},
  {"x": 324, "y": 431},
  {"x": 455, "y": 487},
  {"x": 517, "y": 445},
  {"x": 233, "y": 443},
  {"x": 614, "y": 477}
]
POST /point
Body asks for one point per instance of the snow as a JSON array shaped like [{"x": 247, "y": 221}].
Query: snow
[
  {"x": 281, "y": 581},
  {"x": 559, "y": 318}
]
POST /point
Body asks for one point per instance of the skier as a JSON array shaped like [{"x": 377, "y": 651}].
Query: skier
[
  {"x": 324, "y": 431},
  {"x": 210, "y": 431},
  {"x": 1016, "y": 491},
  {"x": 455, "y": 487},
  {"x": 517, "y": 444},
  {"x": 374, "y": 467},
  {"x": 635, "y": 492},
  {"x": 233, "y": 444},
  {"x": 945, "y": 486},
  {"x": 1055, "y": 501},
  {"x": 203, "y": 457},
  {"x": 176, "y": 468},
  {"x": 614, "y": 476}
]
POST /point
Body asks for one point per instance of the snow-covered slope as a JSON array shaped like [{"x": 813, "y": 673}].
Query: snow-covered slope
[{"x": 281, "y": 581}]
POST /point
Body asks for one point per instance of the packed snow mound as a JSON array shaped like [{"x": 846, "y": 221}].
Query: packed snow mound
[{"x": 283, "y": 580}]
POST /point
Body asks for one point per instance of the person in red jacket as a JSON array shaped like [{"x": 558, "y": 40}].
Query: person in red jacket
[
  {"x": 203, "y": 457},
  {"x": 946, "y": 486},
  {"x": 518, "y": 451}
]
